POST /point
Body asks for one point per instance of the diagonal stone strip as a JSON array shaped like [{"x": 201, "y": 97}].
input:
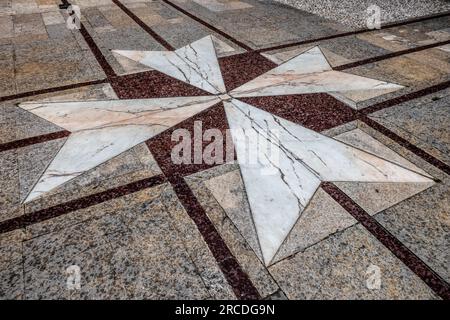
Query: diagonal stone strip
[
  {"x": 308, "y": 72},
  {"x": 103, "y": 129}
]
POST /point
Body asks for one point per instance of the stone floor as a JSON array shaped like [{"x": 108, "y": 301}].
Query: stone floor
[
  {"x": 318, "y": 169},
  {"x": 354, "y": 12}
]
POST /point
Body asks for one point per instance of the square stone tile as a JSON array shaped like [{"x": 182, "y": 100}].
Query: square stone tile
[
  {"x": 340, "y": 267},
  {"x": 11, "y": 266},
  {"x": 52, "y": 17},
  {"x": 402, "y": 70},
  {"x": 133, "y": 251},
  {"x": 6, "y": 27}
]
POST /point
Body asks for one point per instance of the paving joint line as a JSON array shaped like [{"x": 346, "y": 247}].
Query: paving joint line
[
  {"x": 209, "y": 26},
  {"x": 80, "y": 203},
  {"x": 16, "y": 144},
  {"x": 144, "y": 26}
]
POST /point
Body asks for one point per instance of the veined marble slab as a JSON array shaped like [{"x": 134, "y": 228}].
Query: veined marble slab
[
  {"x": 75, "y": 115},
  {"x": 195, "y": 64},
  {"x": 280, "y": 180},
  {"x": 308, "y": 72},
  {"x": 102, "y": 130}
]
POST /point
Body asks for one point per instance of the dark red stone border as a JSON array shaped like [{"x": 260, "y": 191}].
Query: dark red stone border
[
  {"x": 236, "y": 277},
  {"x": 351, "y": 33},
  {"x": 144, "y": 26},
  {"x": 33, "y": 140},
  {"x": 413, "y": 262},
  {"x": 80, "y": 203},
  {"x": 161, "y": 146}
]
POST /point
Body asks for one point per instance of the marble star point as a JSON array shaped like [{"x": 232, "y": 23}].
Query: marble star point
[
  {"x": 304, "y": 159},
  {"x": 195, "y": 64},
  {"x": 101, "y": 130},
  {"x": 308, "y": 72}
]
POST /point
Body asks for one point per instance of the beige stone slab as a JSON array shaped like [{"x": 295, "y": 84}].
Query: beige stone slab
[
  {"x": 29, "y": 24},
  {"x": 440, "y": 35},
  {"x": 376, "y": 197},
  {"x": 129, "y": 66},
  {"x": 343, "y": 267},
  {"x": 322, "y": 217},
  {"x": 6, "y": 27},
  {"x": 230, "y": 223},
  {"x": 433, "y": 58},
  {"x": 44, "y": 3},
  {"x": 128, "y": 247},
  {"x": 11, "y": 269},
  {"x": 229, "y": 191},
  {"x": 9, "y": 184},
  {"x": 7, "y": 84},
  {"x": 53, "y": 17},
  {"x": 197, "y": 248},
  {"x": 117, "y": 18},
  {"x": 92, "y": 3},
  {"x": 223, "y": 5},
  {"x": 402, "y": 70},
  {"x": 385, "y": 40},
  {"x": 222, "y": 48},
  {"x": 445, "y": 48}
]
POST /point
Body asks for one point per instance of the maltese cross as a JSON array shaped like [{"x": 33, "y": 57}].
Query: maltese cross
[{"x": 101, "y": 130}]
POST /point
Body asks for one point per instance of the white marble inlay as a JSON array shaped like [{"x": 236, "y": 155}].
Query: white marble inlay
[
  {"x": 195, "y": 64},
  {"x": 305, "y": 159},
  {"x": 76, "y": 115},
  {"x": 278, "y": 189},
  {"x": 102, "y": 130},
  {"x": 308, "y": 72}
]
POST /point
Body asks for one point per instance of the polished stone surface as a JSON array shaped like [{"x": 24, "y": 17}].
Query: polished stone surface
[{"x": 270, "y": 108}]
